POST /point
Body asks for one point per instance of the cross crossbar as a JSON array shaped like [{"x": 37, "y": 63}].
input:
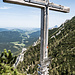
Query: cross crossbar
[
  {"x": 40, "y": 4},
  {"x": 59, "y": 8},
  {"x": 22, "y": 2}
]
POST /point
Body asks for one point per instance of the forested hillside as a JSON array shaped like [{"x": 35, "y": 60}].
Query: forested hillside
[
  {"x": 16, "y": 39},
  {"x": 9, "y": 36},
  {"x": 6, "y": 37},
  {"x": 61, "y": 48},
  {"x": 33, "y": 37}
]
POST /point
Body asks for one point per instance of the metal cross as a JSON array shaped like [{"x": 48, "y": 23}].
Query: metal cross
[{"x": 45, "y": 7}]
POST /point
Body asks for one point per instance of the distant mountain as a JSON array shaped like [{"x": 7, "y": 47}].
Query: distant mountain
[
  {"x": 6, "y": 37},
  {"x": 16, "y": 39},
  {"x": 32, "y": 38},
  {"x": 30, "y": 29},
  {"x": 19, "y": 30},
  {"x": 55, "y": 26},
  {"x": 9, "y": 36},
  {"x": 3, "y": 29}
]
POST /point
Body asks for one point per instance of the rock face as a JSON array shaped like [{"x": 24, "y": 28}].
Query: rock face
[{"x": 20, "y": 57}]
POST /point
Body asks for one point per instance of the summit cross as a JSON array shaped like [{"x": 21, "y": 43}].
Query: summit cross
[{"x": 45, "y": 6}]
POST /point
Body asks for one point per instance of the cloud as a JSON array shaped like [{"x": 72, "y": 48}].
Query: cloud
[{"x": 5, "y": 7}]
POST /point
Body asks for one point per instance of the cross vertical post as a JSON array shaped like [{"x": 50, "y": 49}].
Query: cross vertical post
[{"x": 44, "y": 40}]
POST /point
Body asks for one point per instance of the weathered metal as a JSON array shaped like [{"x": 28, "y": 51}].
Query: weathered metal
[
  {"x": 40, "y": 4},
  {"x": 59, "y": 8},
  {"x": 22, "y": 2}
]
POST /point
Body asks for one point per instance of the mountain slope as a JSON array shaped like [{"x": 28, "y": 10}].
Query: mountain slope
[
  {"x": 32, "y": 38},
  {"x": 16, "y": 39},
  {"x": 61, "y": 48},
  {"x": 6, "y": 37},
  {"x": 9, "y": 36},
  {"x": 3, "y": 29}
]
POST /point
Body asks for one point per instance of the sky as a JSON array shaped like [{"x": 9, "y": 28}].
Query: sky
[{"x": 18, "y": 16}]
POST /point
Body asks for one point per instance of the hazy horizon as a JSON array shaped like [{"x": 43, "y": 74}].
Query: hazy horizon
[{"x": 26, "y": 27}]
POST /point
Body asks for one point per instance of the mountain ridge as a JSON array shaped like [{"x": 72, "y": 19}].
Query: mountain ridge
[
  {"x": 61, "y": 48},
  {"x": 16, "y": 39}
]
